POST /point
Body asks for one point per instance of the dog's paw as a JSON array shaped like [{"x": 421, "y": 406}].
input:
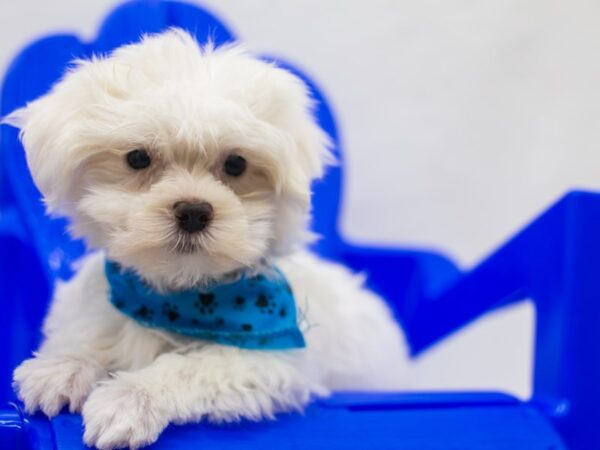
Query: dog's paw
[
  {"x": 51, "y": 382},
  {"x": 121, "y": 414}
]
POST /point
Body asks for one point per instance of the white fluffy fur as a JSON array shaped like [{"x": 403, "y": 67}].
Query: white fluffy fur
[{"x": 189, "y": 107}]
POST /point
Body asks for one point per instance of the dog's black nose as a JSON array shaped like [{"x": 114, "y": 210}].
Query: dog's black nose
[{"x": 193, "y": 216}]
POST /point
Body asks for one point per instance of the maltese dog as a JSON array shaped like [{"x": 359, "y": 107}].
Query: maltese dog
[{"x": 189, "y": 168}]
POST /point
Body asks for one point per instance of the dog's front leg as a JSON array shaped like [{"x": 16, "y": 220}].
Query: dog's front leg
[
  {"x": 51, "y": 380},
  {"x": 220, "y": 384}
]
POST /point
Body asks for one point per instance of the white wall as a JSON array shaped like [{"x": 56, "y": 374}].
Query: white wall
[{"x": 461, "y": 119}]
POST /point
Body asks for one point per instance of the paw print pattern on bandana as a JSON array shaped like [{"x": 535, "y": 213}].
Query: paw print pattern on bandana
[
  {"x": 255, "y": 311},
  {"x": 265, "y": 304},
  {"x": 143, "y": 312},
  {"x": 239, "y": 303},
  {"x": 206, "y": 303},
  {"x": 170, "y": 312}
]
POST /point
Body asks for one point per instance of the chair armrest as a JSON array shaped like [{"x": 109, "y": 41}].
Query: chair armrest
[{"x": 555, "y": 261}]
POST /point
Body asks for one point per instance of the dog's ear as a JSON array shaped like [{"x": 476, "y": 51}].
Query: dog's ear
[
  {"x": 42, "y": 131},
  {"x": 290, "y": 107},
  {"x": 50, "y": 133}
]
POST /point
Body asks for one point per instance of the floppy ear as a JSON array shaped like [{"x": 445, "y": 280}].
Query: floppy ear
[
  {"x": 288, "y": 105},
  {"x": 50, "y": 133},
  {"x": 41, "y": 125},
  {"x": 291, "y": 109}
]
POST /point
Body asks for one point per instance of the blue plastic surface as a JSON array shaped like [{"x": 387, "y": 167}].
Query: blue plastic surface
[
  {"x": 382, "y": 422},
  {"x": 554, "y": 261}
]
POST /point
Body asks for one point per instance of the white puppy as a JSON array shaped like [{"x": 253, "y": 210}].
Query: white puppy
[{"x": 115, "y": 146}]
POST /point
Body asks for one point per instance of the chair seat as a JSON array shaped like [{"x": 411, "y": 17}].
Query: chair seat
[{"x": 346, "y": 421}]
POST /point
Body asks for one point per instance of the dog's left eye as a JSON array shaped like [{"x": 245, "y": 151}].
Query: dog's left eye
[
  {"x": 138, "y": 159},
  {"x": 235, "y": 165}
]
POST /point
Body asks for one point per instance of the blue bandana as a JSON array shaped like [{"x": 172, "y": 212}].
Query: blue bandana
[{"x": 256, "y": 312}]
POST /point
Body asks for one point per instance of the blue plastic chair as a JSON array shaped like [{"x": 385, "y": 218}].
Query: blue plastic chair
[{"x": 555, "y": 261}]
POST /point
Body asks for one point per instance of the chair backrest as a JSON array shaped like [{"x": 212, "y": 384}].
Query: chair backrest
[{"x": 43, "y": 62}]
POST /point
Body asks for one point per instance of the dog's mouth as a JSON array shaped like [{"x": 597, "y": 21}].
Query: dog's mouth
[{"x": 185, "y": 245}]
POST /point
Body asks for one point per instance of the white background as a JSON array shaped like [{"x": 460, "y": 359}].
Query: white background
[{"x": 461, "y": 121}]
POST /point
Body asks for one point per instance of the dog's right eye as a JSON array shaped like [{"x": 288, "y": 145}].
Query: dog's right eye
[{"x": 138, "y": 159}]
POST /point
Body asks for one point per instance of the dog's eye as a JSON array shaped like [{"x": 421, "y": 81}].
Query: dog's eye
[
  {"x": 138, "y": 159},
  {"x": 235, "y": 165}
]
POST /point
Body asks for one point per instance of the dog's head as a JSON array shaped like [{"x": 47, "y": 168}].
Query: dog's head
[{"x": 180, "y": 161}]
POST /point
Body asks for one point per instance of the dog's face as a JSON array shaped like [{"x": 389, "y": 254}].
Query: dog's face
[{"x": 183, "y": 163}]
